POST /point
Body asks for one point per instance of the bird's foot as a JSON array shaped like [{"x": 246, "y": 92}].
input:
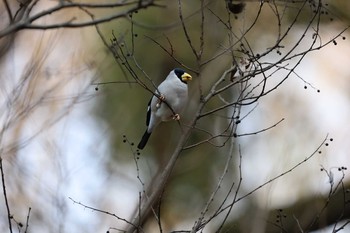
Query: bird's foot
[
  {"x": 161, "y": 98},
  {"x": 176, "y": 117}
]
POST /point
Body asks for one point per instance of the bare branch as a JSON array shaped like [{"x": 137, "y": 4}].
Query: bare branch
[
  {"x": 27, "y": 221},
  {"x": 101, "y": 211},
  {"x": 9, "y": 216},
  {"x": 8, "y": 10},
  {"x": 27, "y": 22}
]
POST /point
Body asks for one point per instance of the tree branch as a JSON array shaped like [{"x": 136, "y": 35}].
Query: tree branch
[
  {"x": 9, "y": 216},
  {"x": 26, "y": 23}
]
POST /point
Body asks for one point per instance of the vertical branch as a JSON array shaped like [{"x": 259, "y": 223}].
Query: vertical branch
[
  {"x": 8, "y": 9},
  {"x": 186, "y": 32},
  {"x": 158, "y": 184},
  {"x": 199, "y": 223},
  {"x": 237, "y": 190},
  {"x": 27, "y": 222},
  {"x": 201, "y": 46},
  {"x": 5, "y": 195},
  {"x": 201, "y": 49}
]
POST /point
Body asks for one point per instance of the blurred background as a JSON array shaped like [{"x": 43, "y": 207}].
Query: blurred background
[{"x": 71, "y": 117}]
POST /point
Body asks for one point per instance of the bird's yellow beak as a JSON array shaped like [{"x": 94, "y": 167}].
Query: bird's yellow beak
[{"x": 186, "y": 77}]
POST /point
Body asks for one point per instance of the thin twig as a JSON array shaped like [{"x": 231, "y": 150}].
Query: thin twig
[
  {"x": 280, "y": 175},
  {"x": 262, "y": 130},
  {"x": 186, "y": 31},
  {"x": 9, "y": 216},
  {"x": 102, "y": 211},
  {"x": 27, "y": 221},
  {"x": 27, "y": 22},
  {"x": 199, "y": 223}
]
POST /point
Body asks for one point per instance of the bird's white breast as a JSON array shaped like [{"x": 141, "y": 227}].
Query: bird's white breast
[{"x": 175, "y": 93}]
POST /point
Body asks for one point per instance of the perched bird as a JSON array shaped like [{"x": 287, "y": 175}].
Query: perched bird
[{"x": 169, "y": 100}]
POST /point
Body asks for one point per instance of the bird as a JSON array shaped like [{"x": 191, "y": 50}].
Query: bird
[{"x": 168, "y": 101}]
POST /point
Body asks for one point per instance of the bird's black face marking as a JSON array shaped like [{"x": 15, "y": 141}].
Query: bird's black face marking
[{"x": 179, "y": 72}]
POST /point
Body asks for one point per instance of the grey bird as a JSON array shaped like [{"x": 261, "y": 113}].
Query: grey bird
[{"x": 169, "y": 100}]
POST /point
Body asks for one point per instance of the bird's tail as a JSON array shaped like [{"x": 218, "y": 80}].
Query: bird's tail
[{"x": 144, "y": 140}]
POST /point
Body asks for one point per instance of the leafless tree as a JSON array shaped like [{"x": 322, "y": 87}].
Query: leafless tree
[{"x": 231, "y": 79}]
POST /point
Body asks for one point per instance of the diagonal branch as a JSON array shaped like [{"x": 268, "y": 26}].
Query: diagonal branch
[
  {"x": 158, "y": 184},
  {"x": 27, "y": 22}
]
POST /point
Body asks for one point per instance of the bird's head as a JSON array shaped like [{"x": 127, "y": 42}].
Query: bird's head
[{"x": 182, "y": 75}]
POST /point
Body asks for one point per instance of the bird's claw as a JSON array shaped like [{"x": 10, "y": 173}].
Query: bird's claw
[
  {"x": 161, "y": 98},
  {"x": 176, "y": 117}
]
